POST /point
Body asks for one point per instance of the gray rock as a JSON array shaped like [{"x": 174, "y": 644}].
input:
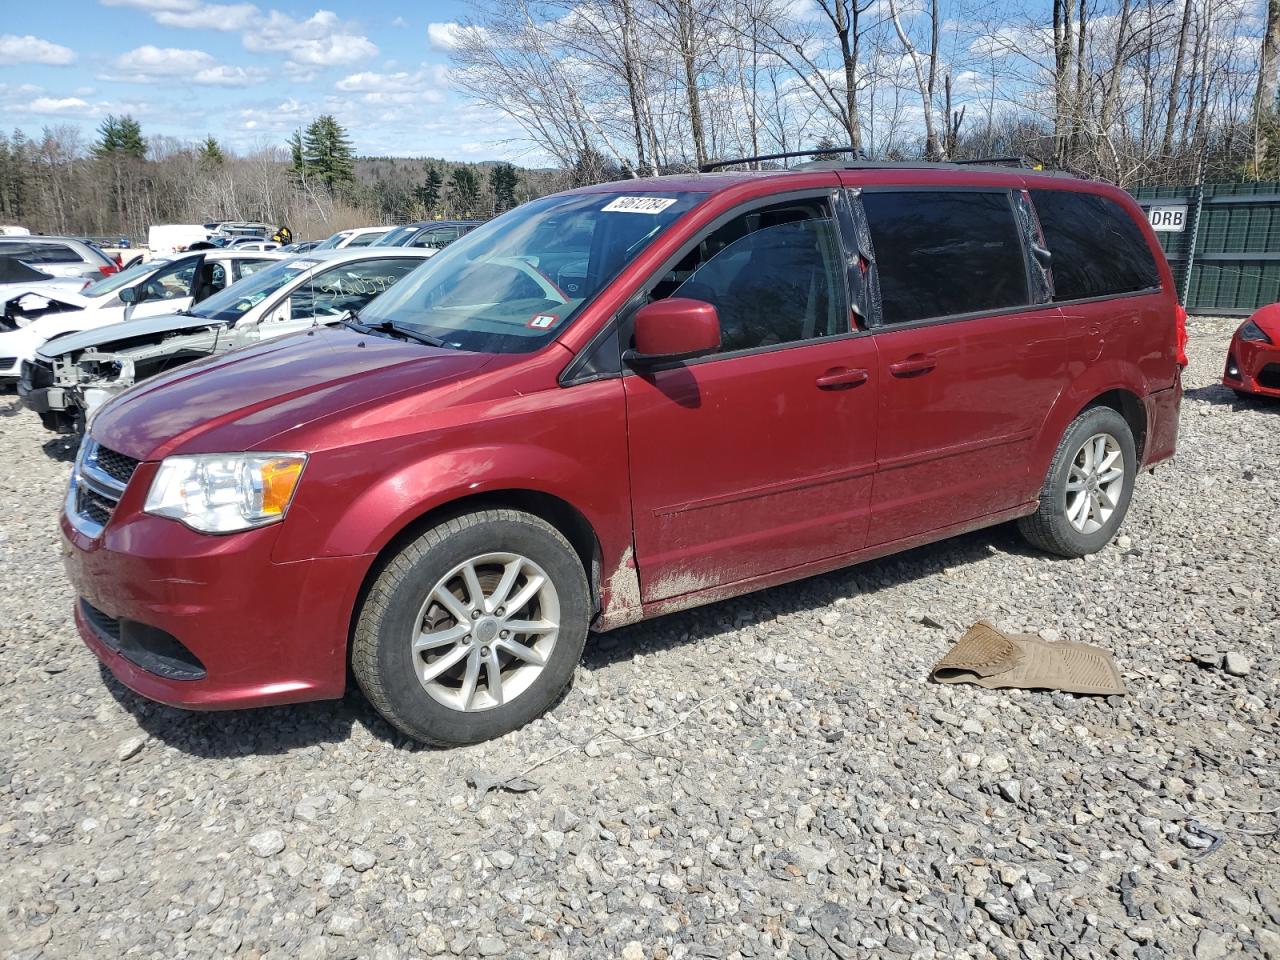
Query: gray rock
[
  {"x": 1236, "y": 664},
  {"x": 1212, "y": 945},
  {"x": 130, "y": 748},
  {"x": 267, "y": 843},
  {"x": 343, "y": 924},
  {"x": 362, "y": 859}
]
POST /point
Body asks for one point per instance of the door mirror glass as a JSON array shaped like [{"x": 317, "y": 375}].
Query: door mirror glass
[
  {"x": 129, "y": 295},
  {"x": 674, "y": 329}
]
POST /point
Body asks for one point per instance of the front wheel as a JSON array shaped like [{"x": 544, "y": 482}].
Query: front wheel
[
  {"x": 1088, "y": 488},
  {"x": 473, "y": 629}
]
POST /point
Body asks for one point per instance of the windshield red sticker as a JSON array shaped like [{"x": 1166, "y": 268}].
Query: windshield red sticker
[
  {"x": 650, "y": 205},
  {"x": 543, "y": 321}
]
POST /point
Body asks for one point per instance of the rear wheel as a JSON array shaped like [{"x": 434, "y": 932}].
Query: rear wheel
[
  {"x": 1088, "y": 488},
  {"x": 473, "y": 629}
]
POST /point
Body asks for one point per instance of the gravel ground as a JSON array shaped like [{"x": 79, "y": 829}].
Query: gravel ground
[{"x": 767, "y": 777}]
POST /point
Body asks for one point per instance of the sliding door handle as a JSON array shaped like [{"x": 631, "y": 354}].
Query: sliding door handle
[
  {"x": 916, "y": 363},
  {"x": 841, "y": 378}
]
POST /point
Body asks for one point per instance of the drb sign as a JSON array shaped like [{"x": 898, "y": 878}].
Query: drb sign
[{"x": 1168, "y": 219}]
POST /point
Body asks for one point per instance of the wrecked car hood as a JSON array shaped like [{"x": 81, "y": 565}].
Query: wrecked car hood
[
  {"x": 62, "y": 295},
  {"x": 240, "y": 399},
  {"x": 125, "y": 330}
]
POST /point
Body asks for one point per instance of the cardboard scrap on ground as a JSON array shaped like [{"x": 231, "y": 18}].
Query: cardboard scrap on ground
[{"x": 993, "y": 659}]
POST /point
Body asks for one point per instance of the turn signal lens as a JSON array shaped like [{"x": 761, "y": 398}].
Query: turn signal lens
[{"x": 279, "y": 478}]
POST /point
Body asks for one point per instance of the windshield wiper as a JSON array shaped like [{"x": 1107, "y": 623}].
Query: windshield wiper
[{"x": 390, "y": 326}]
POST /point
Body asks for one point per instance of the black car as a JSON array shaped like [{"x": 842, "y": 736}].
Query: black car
[{"x": 426, "y": 233}]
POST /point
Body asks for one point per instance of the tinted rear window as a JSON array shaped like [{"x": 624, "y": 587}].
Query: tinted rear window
[
  {"x": 941, "y": 253},
  {"x": 1098, "y": 250}
]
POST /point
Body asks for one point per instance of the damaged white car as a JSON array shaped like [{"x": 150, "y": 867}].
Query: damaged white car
[
  {"x": 72, "y": 376},
  {"x": 33, "y": 314}
]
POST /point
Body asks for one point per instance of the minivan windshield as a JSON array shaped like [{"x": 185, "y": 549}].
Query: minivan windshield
[
  {"x": 518, "y": 281},
  {"x": 124, "y": 278},
  {"x": 231, "y": 303}
]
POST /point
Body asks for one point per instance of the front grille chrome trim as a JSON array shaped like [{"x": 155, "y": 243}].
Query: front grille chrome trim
[{"x": 93, "y": 488}]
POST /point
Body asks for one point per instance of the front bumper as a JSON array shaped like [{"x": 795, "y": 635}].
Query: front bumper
[
  {"x": 1253, "y": 367},
  {"x": 257, "y": 632}
]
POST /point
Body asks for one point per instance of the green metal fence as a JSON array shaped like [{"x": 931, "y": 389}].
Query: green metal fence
[{"x": 1232, "y": 245}]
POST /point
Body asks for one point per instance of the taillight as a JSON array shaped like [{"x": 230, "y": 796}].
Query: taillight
[
  {"x": 107, "y": 269},
  {"x": 1180, "y": 328}
]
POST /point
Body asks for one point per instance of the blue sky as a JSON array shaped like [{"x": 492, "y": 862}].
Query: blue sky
[{"x": 247, "y": 71}]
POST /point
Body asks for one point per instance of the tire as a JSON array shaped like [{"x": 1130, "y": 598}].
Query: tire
[
  {"x": 1051, "y": 528},
  {"x": 404, "y": 607}
]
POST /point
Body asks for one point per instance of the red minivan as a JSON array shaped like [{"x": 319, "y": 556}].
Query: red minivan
[{"x": 614, "y": 403}]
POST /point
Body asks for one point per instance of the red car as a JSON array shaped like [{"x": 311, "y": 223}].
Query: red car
[
  {"x": 614, "y": 403},
  {"x": 1253, "y": 361}
]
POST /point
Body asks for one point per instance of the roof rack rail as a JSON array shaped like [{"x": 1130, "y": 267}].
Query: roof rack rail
[{"x": 717, "y": 164}]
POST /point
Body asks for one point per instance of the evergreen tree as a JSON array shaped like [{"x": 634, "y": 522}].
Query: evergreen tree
[
  {"x": 428, "y": 194},
  {"x": 592, "y": 166},
  {"x": 327, "y": 154},
  {"x": 503, "y": 181},
  {"x": 464, "y": 189},
  {"x": 120, "y": 137},
  {"x": 297, "y": 160},
  {"x": 211, "y": 154}
]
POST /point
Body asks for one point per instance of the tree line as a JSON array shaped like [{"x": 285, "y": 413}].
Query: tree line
[
  {"x": 1135, "y": 91},
  {"x": 122, "y": 182}
]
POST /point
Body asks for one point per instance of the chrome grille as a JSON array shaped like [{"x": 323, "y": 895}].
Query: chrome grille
[
  {"x": 97, "y": 484},
  {"x": 115, "y": 465}
]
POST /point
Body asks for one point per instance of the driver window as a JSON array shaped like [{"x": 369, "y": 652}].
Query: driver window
[
  {"x": 775, "y": 275},
  {"x": 438, "y": 238},
  {"x": 331, "y": 294},
  {"x": 213, "y": 277},
  {"x": 172, "y": 283}
]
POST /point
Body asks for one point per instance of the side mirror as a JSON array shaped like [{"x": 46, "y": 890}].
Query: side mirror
[
  {"x": 129, "y": 295},
  {"x": 674, "y": 329},
  {"x": 1042, "y": 255}
]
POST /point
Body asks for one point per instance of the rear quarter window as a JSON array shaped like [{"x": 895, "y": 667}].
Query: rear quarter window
[
  {"x": 1097, "y": 249},
  {"x": 944, "y": 253}
]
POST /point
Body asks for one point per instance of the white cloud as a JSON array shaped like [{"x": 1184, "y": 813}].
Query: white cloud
[
  {"x": 57, "y": 105},
  {"x": 447, "y": 36},
  {"x": 421, "y": 86},
  {"x": 151, "y": 64},
  {"x": 225, "y": 76},
  {"x": 213, "y": 16},
  {"x": 29, "y": 49},
  {"x": 320, "y": 41},
  {"x": 194, "y": 14}
]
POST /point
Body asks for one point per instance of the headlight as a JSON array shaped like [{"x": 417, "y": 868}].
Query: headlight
[
  {"x": 225, "y": 492},
  {"x": 1251, "y": 331}
]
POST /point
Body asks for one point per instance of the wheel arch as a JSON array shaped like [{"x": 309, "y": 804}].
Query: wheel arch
[
  {"x": 1106, "y": 385},
  {"x": 558, "y": 512},
  {"x": 1130, "y": 406}
]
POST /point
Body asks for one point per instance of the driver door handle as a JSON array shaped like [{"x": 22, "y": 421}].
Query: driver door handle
[
  {"x": 916, "y": 363},
  {"x": 841, "y": 378}
]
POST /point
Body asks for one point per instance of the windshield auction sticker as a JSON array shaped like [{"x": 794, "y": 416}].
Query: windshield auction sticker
[
  {"x": 650, "y": 205},
  {"x": 543, "y": 321}
]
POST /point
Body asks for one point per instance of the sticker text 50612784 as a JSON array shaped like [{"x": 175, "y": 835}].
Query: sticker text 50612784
[{"x": 649, "y": 205}]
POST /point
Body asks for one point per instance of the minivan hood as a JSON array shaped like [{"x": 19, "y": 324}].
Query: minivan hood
[
  {"x": 241, "y": 399},
  {"x": 125, "y": 330}
]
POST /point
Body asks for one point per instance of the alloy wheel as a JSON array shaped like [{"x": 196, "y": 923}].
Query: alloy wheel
[
  {"x": 485, "y": 632},
  {"x": 1095, "y": 483}
]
